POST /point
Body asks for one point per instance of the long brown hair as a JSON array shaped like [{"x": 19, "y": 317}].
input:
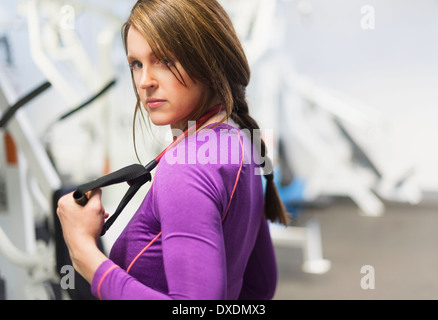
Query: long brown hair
[{"x": 200, "y": 35}]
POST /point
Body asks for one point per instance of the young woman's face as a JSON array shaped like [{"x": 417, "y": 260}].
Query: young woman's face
[{"x": 165, "y": 98}]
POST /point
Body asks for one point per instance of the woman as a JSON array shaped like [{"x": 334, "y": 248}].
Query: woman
[{"x": 201, "y": 231}]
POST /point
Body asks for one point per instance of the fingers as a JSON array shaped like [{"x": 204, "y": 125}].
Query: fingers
[
  {"x": 95, "y": 194},
  {"x": 94, "y": 201},
  {"x": 94, "y": 204},
  {"x": 65, "y": 202}
]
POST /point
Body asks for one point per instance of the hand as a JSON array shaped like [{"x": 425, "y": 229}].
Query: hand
[
  {"x": 81, "y": 223},
  {"x": 81, "y": 227}
]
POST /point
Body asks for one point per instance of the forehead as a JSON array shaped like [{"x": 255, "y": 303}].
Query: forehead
[{"x": 137, "y": 45}]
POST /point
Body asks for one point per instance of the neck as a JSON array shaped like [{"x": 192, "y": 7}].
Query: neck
[{"x": 215, "y": 114}]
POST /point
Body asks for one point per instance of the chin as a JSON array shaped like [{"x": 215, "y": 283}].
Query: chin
[
  {"x": 164, "y": 118},
  {"x": 160, "y": 122},
  {"x": 160, "y": 119}
]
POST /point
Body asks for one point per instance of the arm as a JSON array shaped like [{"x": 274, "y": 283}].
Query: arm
[
  {"x": 192, "y": 242},
  {"x": 260, "y": 278},
  {"x": 193, "y": 245},
  {"x": 81, "y": 227}
]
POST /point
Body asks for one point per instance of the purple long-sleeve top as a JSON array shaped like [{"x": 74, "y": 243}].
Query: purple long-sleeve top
[{"x": 193, "y": 237}]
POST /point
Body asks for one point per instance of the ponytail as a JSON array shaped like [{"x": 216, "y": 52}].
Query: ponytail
[{"x": 274, "y": 209}]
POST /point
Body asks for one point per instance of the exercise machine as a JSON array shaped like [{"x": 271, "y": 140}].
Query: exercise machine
[{"x": 32, "y": 252}]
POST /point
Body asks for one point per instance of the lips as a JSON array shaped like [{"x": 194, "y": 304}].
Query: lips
[{"x": 155, "y": 103}]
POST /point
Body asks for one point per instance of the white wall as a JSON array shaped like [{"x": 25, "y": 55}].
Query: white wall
[{"x": 393, "y": 67}]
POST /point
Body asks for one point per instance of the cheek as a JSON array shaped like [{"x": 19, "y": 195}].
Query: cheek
[
  {"x": 136, "y": 83},
  {"x": 194, "y": 91},
  {"x": 190, "y": 99},
  {"x": 140, "y": 92},
  {"x": 178, "y": 92}
]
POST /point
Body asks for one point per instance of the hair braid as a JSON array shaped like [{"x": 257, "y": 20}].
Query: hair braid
[{"x": 274, "y": 207}]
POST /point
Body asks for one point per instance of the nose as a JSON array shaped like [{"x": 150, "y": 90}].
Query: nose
[{"x": 148, "y": 79}]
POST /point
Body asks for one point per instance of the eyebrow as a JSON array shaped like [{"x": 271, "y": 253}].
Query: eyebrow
[{"x": 133, "y": 56}]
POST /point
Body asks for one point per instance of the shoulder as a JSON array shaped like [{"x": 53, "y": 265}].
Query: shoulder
[
  {"x": 212, "y": 147},
  {"x": 202, "y": 171},
  {"x": 209, "y": 159}
]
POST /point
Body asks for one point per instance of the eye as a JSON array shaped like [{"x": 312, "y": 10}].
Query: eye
[
  {"x": 164, "y": 61},
  {"x": 135, "y": 65}
]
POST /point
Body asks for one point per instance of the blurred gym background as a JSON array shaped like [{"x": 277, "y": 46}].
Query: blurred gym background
[{"x": 346, "y": 87}]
